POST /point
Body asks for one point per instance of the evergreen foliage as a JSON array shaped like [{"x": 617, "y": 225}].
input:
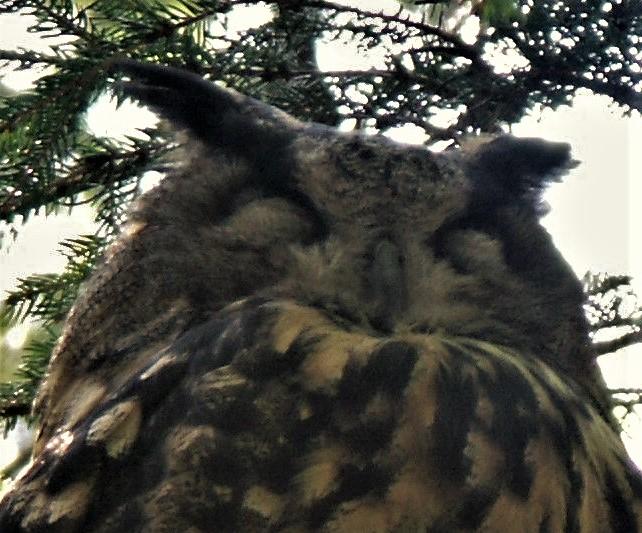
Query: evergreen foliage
[{"x": 427, "y": 66}]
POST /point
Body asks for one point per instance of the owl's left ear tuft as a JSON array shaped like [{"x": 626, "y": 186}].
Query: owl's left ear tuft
[{"x": 509, "y": 169}]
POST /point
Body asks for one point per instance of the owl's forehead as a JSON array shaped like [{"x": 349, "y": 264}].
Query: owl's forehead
[{"x": 380, "y": 181}]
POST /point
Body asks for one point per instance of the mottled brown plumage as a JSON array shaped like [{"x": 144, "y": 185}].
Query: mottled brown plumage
[{"x": 304, "y": 330}]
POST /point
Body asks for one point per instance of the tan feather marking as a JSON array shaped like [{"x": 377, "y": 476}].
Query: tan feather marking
[
  {"x": 605, "y": 455},
  {"x": 485, "y": 411},
  {"x": 163, "y": 503},
  {"x": 167, "y": 506},
  {"x": 305, "y": 410},
  {"x": 487, "y": 460},
  {"x": 324, "y": 367},
  {"x": 70, "y": 504},
  {"x": 592, "y": 513},
  {"x": 363, "y": 516},
  {"x": 224, "y": 493},
  {"x": 420, "y": 407},
  {"x": 219, "y": 380},
  {"x": 157, "y": 366},
  {"x": 117, "y": 429},
  {"x": 416, "y": 492},
  {"x": 509, "y": 509},
  {"x": 189, "y": 447},
  {"x": 80, "y": 399},
  {"x": 548, "y": 496},
  {"x": 551, "y": 486},
  {"x": 417, "y": 495},
  {"x": 264, "y": 502},
  {"x": 294, "y": 319},
  {"x": 320, "y": 473}
]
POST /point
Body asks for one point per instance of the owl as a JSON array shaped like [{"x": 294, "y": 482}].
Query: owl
[{"x": 304, "y": 330}]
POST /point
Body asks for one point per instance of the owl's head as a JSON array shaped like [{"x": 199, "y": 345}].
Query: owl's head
[{"x": 390, "y": 237}]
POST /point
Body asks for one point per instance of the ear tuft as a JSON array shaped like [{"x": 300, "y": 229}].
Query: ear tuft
[{"x": 509, "y": 169}]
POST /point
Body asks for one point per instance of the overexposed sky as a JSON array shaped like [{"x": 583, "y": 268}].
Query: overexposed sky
[{"x": 595, "y": 213}]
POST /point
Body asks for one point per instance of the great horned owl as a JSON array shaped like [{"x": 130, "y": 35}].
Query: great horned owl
[{"x": 306, "y": 330}]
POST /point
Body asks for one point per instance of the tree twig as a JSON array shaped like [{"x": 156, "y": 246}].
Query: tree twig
[
  {"x": 29, "y": 58},
  {"x": 624, "y": 341}
]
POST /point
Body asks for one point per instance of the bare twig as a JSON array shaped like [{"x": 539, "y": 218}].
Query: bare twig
[{"x": 624, "y": 341}]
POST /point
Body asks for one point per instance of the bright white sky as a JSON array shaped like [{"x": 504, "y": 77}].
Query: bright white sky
[{"x": 594, "y": 213}]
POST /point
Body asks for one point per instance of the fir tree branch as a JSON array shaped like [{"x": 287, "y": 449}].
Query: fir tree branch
[
  {"x": 623, "y": 95},
  {"x": 17, "y": 395},
  {"x": 76, "y": 180},
  {"x": 460, "y": 47},
  {"x": 29, "y": 58},
  {"x": 599, "y": 283},
  {"x": 14, "y": 403},
  {"x": 64, "y": 22}
]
